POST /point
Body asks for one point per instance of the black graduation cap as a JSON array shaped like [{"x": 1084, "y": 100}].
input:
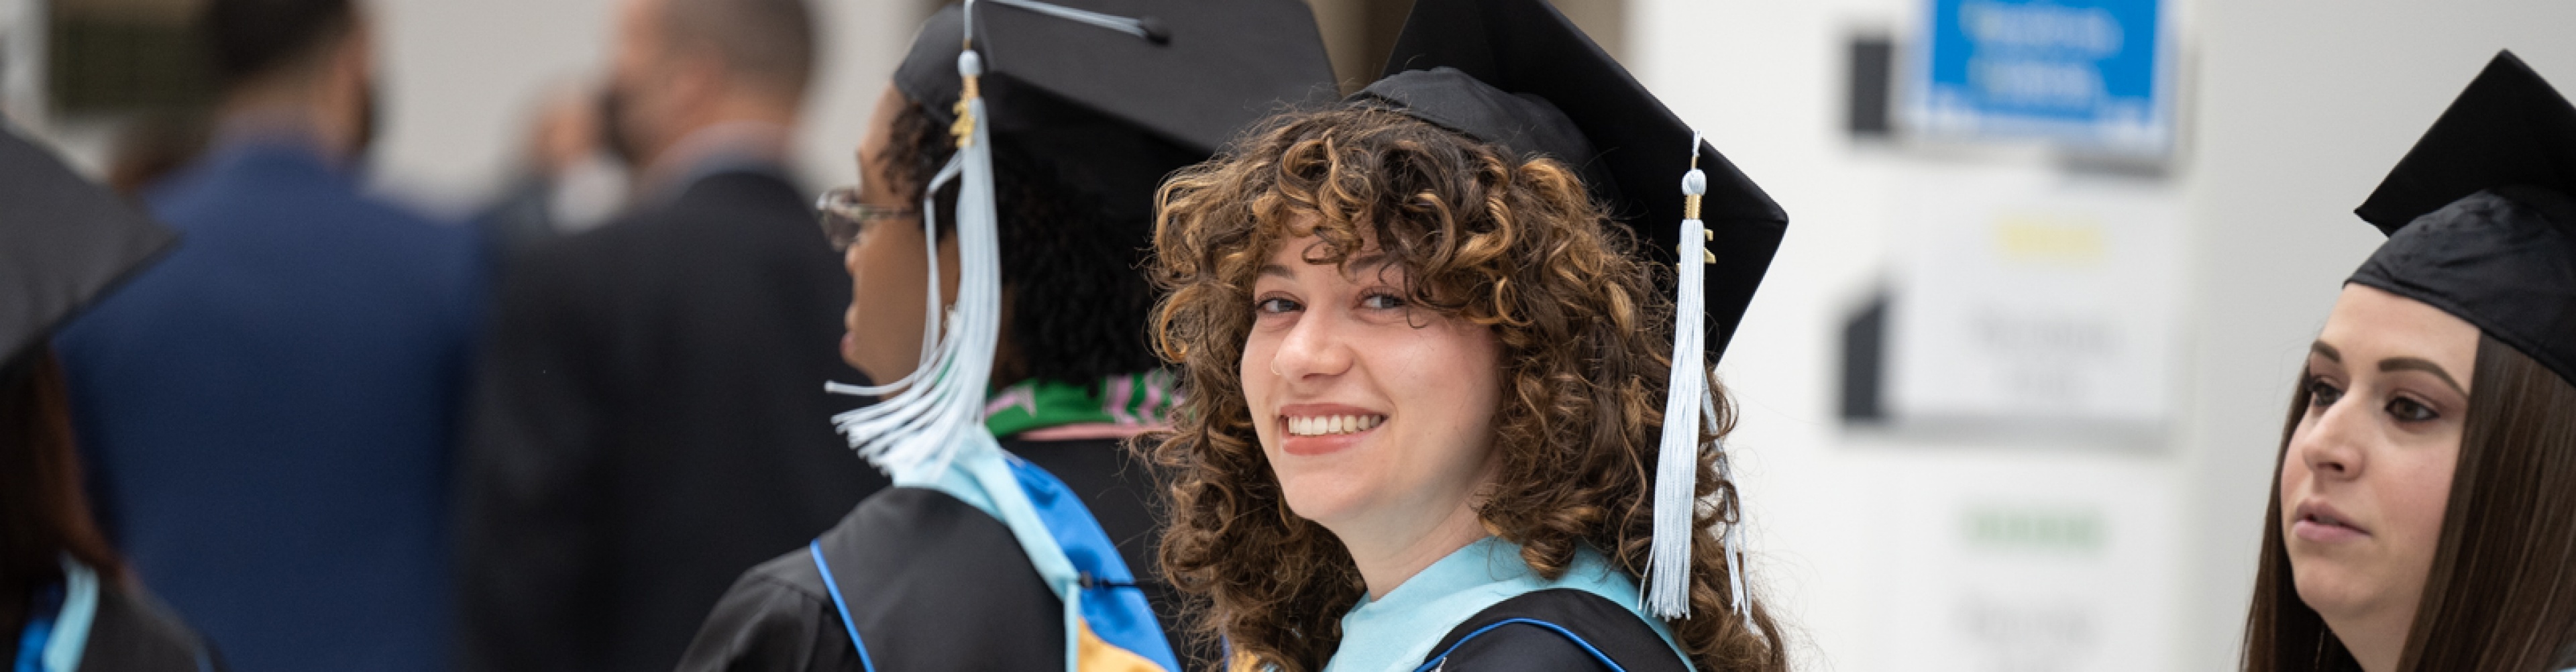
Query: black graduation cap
[
  {"x": 1128, "y": 90},
  {"x": 2479, "y": 217},
  {"x": 1519, "y": 74},
  {"x": 63, "y": 242}
]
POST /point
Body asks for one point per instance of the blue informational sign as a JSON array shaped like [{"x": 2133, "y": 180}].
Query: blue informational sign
[{"x": 2087, "y": 72}]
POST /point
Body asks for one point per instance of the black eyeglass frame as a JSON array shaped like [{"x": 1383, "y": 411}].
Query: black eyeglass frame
[{"x": 845, "y": 219}]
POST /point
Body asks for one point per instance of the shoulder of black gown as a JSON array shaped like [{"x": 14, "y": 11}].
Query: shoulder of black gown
[
  {"x": 135, "y": 632},
  {"x": 931, "y": 583},
  {"x": 1555, "y": 630},
  {"x": 778, "y": 616},
  {"x": 934, "y": 583}
]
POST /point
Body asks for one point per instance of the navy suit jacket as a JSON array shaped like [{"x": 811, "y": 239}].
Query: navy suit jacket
[{"x": 268, "y": 414}]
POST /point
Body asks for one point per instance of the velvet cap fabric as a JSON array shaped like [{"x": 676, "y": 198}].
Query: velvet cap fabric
[{"x": 2479, "y": 215}]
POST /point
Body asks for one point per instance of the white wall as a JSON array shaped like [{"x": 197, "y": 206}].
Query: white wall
[
  {"x": 2292, "y": 111},
  {"x": 463, "y": 77}
]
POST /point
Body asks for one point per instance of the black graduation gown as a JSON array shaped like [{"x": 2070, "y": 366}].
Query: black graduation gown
[
  {"x": 649, "y": 420},
  {"x": 132, "y": 631},
  {"x": 934, "y": 583},
  {"x": 1515, "y": 636}
]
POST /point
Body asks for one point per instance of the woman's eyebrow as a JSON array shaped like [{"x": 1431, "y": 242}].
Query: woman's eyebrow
[
  {"x": 2327, "y": 351},
  {"x": 2394, "y": 364},
  {"x": 1276, "y": 270}
]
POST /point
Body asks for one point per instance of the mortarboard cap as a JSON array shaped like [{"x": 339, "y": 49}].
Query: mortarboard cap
[
  {"x": 1519, "y": 74},
  {"x": 63, "y": 242},
  {"x": 1125, "y": 91},
  {"x": 2479, "y": 218}
]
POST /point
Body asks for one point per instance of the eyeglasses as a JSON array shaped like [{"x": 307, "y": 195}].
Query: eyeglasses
[{"x": 845, "y": 219}]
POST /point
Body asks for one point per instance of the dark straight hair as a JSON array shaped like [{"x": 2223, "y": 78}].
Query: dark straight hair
[
  {"x": 2501, "y": 593},
  {"x": 43, "y": 514}
]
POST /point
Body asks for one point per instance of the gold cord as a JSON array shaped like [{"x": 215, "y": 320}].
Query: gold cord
[{"x": 964, "y": 129}]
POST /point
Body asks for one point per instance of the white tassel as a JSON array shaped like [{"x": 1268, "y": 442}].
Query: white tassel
[
  {"x": 913, "y": 435},
  {"x": 1667, "y": 577}
]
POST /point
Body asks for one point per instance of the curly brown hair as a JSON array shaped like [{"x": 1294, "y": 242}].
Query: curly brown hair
[{"x": 1510, "y": 243}]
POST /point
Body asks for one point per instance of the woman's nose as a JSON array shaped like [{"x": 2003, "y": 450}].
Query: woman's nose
[
  {"x": 2330, "y": 444},
  {"x": 1314, "y": 348}
]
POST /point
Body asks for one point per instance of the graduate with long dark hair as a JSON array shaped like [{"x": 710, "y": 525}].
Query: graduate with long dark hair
[
  {"x": 2425, "y": 517},
  {"x": 67, "y": 601}
]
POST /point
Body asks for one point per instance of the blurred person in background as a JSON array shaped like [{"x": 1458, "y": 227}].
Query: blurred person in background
[
  {"x": 66, "y": 601},
  {"x": 566, "y": 182},
  {"x": 2424, "y": 518},
  {"x": 270, "y": 412},
  {"x": 649, "y": 420}
]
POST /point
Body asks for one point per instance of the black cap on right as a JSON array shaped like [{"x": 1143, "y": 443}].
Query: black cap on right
[
  {"x": 63, "y": 242},
  {"x": 1518, "y": 74},
  {"x": 2480, "y": 219}
]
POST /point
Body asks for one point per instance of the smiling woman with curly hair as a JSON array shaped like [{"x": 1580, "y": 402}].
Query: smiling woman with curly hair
[{"x": 1427, "y": 378}]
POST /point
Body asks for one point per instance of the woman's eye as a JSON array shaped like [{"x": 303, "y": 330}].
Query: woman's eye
[
  {"x": 1382, "y": 301},
  {"x": 2322, "y": 394},
  {"x": 1274, "y": 306},
  {"x": 2409, "y": 410}
]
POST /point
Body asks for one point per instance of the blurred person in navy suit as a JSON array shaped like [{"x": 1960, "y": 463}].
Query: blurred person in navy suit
[
  {"x": 650, "y": 416},
  {"x": 269, "y": 413}
]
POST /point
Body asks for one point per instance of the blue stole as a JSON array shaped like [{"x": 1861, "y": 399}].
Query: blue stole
[
  {"x": 1395, "y": 632},
  {"x": 58, "y": 633}
]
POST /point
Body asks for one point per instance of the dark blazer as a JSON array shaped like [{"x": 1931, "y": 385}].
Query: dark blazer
[{"x": 649, "y": 421}]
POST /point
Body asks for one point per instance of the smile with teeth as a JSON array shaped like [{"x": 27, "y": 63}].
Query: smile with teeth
[{"x": 1332, "y": 424}]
